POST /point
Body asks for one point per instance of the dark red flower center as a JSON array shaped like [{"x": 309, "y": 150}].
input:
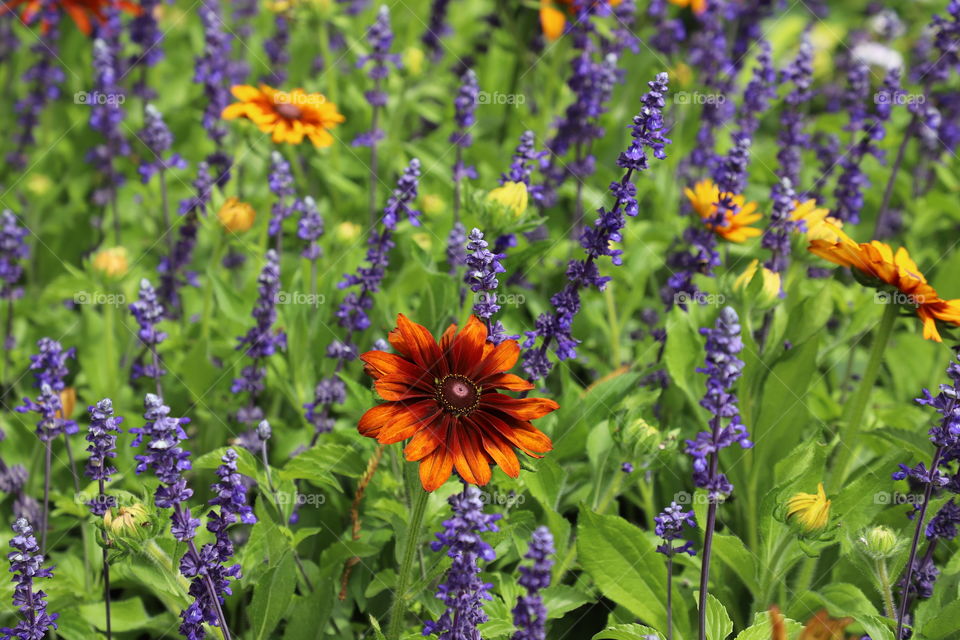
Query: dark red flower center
[
  {"x": 288, "y": 111},
  {"x": 458, "y": 394}
]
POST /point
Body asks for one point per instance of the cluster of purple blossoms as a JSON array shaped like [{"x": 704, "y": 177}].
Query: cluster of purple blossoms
[
  {"x": 530, "y": 614},
  {"x": 463, "y": 592},
  {"x": 483, "y": 266},
  {"x": 941, "y": 475},
  {"x": 13, "y": 252},
  {"x": 309, "y": 228},
  {"x": 44, "y": 79},
  {"x": 209, "y": 577},
  {"x": 212, "y": 70},
  {"x": 852, "y": 180},
  {"x": 281, "y": 185},
  {"x": 597, "y": 241},
  {"x": 50, "y": 369},
  {"x": 244, "y": 11},
  {"x": 157, "y": 138},
  {"x": 777, "y": 237},
  {"x": 148, "y": 311},
  {"x": 261, "y": 341},
  {"x": 669, "y": 527},
  {"x": 668, "y": 33},
  {"x": 758, "y": 93},
  {"x": 106, "y": 117},
  {"x": 146, "y": 33},
  {"x": 722, "y": 369},
  {"x": 594, "y": 74},
  {"x": 103, "y": 444},
  {"x": 465, "y": 106},
  {"x": 525, "y": 159},
  {"x": 168, "y": 461},
  {"x": 436, "y": 29},
  {"x": 942, "y": 57},
  {"x": 456, "y": 243},
  {"x": 173, "y": 269},
  {"x": 792, "y": 138},
  {"x": 710, "y": 55},
  {"x": 277, "y": 48},
  {"x": 380, "y": 38},
  {"x": 26, "y": 562}
]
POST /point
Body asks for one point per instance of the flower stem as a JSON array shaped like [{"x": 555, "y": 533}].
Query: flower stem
[
  {"x": 48, "y": 450},
  {"x": 853, "y": 412},
  {"x": 708, "y": 538},
  {"x": 418, "y": 509},
  {"x": 106, "y": 568},
  {"x": 908, "y": 572},
  {"x": 888, "y": 191},
  {"x": 670, "y": 596},
  {"x": 886, "y": 591}
]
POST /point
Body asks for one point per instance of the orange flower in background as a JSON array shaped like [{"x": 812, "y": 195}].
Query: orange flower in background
[
  {"x": 81, "y": 11},
  {"x": 882, "y": 266},
  {"x": 553, "y": 19},
  {"x": 288, "y": 116},
  {"x": 704, "y": 197},
  {"x": 697, "y": 6},
  {"x": 822, "y": 627},
  {"x": 778, "y": 630},
  {"x": 445, "y": 398}
]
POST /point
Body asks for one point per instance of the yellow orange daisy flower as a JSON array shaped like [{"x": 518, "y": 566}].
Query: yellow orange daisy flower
[
  {"x": 553, "y": 19},
  {"x": 881, "y": 265},
  {"x": 289, "y": 116},
  {"x": 812, "y": 510},
  {"x": 704, "y": 197}
]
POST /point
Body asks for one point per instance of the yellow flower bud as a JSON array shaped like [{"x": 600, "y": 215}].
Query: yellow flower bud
[
  {"x": 512, "y": 195},
  {"x": 770, "y": 290},
  {"x": 129, "y": 522},
  {"x": 347, "y": 231},
  {"x": 68, "y": 402},
  {"x": 112, "y": 263},
  {"x": 880, "y": 542},
  {"x": 811, "y": 510},
  {"x": 236, "y": 216},
  {"x": 413, "y": 58}
]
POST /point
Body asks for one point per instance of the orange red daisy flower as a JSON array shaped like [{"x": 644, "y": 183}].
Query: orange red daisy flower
[
  {"x": 704, "y": 197},
  {"x": 445, "y": 397},
  {"x": 553, "y": 15},
  {"x": 289, "y": 116},
  {"x": 80, "y": 11},
  {"x": 880, "y": 265}
]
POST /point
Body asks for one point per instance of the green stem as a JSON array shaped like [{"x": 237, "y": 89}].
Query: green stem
[
  {"x": 853, "y": 412},
  {"x": 886, "y": 589},
  {"x": 406, "y": 564},
  {"x": 774, "y": 563},
  {"x": 208, "y": 291},
  {"x": 614, "y": 325}
]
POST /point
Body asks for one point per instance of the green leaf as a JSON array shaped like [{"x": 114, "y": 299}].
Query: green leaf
[
  {"x": 125, "y": 615},
  {"x": 762, "y": 630},
  {"x": 719, "y": 624},
  {"x": 271, "y": 597},
  {"x": 246, "y": 464},
  {"x": 946, "y": 624},
  {"x": 561, "y": 599},
  {"x": 625, "y": 632},
  {"x": 732, "y": 552},
  {"x": 624, "y": 564},
  {"x": 317, "y": 465}
]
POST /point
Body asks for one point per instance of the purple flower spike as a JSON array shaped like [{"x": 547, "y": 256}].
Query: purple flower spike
[
  {"x": 482, "y": 268},
  {"x": 158, "y": 140},
  {"x": 49, "y": 370},
  {"x": 530, "y": 614},
  {"x": 103, "y": 444},
  {"x": 13, "y": 253},
  {"x": 26, "y": 563},
  {"x": 462, "y": 591},
  {"x": 669, "y": 527}
]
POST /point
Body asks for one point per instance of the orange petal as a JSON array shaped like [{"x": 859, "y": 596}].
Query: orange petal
[
  {"x": 435, "y": 469},
  {"x": 469, "y": 343},
  {"x": 427, "y": 440},
  {"x": 521, "y": 409},
  {"x": 507, "y": 381},
  {"x": 396, "y": 386},
  {"x": 501, "y": 452},
  {"x": 502, "y": 358},
  {"x": 415, "y": 342},
  {"x": 552, "y": 21},
  {"x": 380, "y": 363}
]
